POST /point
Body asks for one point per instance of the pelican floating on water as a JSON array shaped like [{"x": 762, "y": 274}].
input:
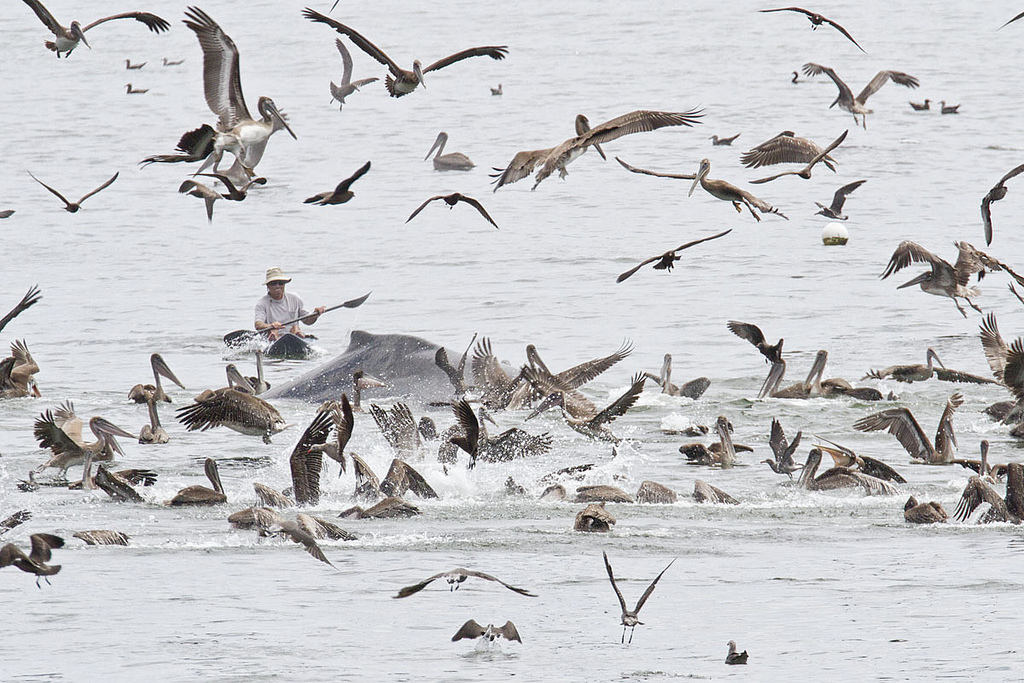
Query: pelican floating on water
[
  {"x": 839, "y": 477},
  {"x": 67, "y": 38},
  {"x": 920, "y": 373},
  {"x": 453, "y": 161},
  {"x": 923, "y": 513},
  {"x": 141, "y": 393},
  {"x": 347, "y": 86},
  {"x": 728, "y": 192},
  {"x": 855, "y": 105},
  {"x": 693, "y": 389},
  {"x": 153, "y": 433}
]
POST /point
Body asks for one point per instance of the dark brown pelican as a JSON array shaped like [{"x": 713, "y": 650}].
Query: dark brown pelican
[
  {"x": 471, "y": 629},
  {"x": 347, "y": 86},
  {"x": 704, "y": 492},
  {"x": 36, "y": 561},
  {"x": 839, "y": 477},
  {"x": 752, "y": 333},
  {"x": 596, "y": 426},
  {"x": 786, "y": 148},
  {"x": 846, "y": 100},
  {"x": 1008, "y": 509},
  {"x": 783, "y": 462},
  {"x": 388, "y": 508},
  {"x": 734, "y": 657},
  {"x": 558, "y": 158},
  {"x": 67, "y": 38},
  {"x": 602, "y": 493},
  {"x": 816, "y": 21},
  {"x": 571, "y": 379},
  {"x": 401, "y": 82},
  {"x": 17, "y": 519},
  {"x": 135, "y": 91},
  {"x": 631, "y": 617},
  {"x": 728, "y": 192},
  {"x": 667, "y": 260},
  {"x": 153, "y": 433},
  {"x": 141, "y": 393},
  {"x": 694, "y": 389},
  {"x": 511, "y": 444},
  {"x": 653, "y": 492},
  {"x": 948, "y": 108},
  {"x": 17, "y": 373},
  {"x": 453, "y": 161},
  {"x": 456, "y": 375},
  {"x": 455, "y": 577},
  {"x": 398, "y": 427},
  {"x": 234, "y": 409},
  {"x": 451, "y": 200},
  {"x": 805, "y": 172},
  {"x": 994, "y": 195},
  {"x": 31, "y": 297},
  {"x": 61, "y": 431},
  {"x": 102, "y": 537},
  {"x": 341, "y": 193},
  {"x": 403, "y": 477},
  {"x": 924, "y": 106},
  {"x": 195, "y": 145},
  {"x": 201, "y": 495},
  {"x": 900, "y": 423},
  {"x": 715, "y": 140},
  {"x": 306, "y": 461},
  {"x": 943, "y": 279},
  {"x": 722, "y": 453},
  {"x": 838, "y": 200},
  {"x": 498, "y": 390},
  {"x": 920, "y": 373},
  {"x": 128, "y": 64},
  {"x": 73, "y": 207},
  {"x": 923, "y": 513},
  {"x": 594, "y": 518}
]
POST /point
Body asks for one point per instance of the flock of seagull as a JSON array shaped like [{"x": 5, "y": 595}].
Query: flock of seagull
[{"x": 238, "y": 405}]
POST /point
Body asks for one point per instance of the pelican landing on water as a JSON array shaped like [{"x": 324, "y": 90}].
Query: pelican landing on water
[
  {"x": 730, "y": 193},
  {"x": 943, "y": 279},
  {"x": 855, "y": 105},
  {"x": 67, "y": 38}
]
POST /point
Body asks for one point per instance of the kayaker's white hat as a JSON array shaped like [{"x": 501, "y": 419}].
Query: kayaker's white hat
[{"x": 275, "y": 274}]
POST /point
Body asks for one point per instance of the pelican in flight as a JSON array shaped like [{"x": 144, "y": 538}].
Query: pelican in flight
[
  {"x": 67, "y": 38},
  {"x": 453, "y": 161},
  {"x": 239, "y": 133},
  {"x": 728, "y": 192},
  {"x": 805, "y": 172},
  {"x": 347, "y": 86},
  {"x": 920, "y": 373},
  {"x": 900, "y": 423},
  {"x": 558, "y": 158},
  {"x": 943, "y": 279},
  {"x": 835, "y": 210},
  {"x": 855, "y": 105},
  {"x": 401, "y": 82},
  {"x": 816, "y": 21},
  {"x": 994, "y": 195},
  {"x": 32, "y": 296},
  {"x": 785, "y": 148},
  {"x": 234, "y": 409}
]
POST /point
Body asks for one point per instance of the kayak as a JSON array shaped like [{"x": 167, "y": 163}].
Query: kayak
[{"x": 288, "y": 346}]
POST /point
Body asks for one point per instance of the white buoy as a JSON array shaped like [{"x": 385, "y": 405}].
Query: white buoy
[{"x": 834, "y": 233}]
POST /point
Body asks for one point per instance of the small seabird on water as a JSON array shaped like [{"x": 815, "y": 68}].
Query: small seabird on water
[{"x": 735, "y": 657}]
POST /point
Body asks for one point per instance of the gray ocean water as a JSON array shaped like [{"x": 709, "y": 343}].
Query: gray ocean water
[{"x": 831, "y": 586}]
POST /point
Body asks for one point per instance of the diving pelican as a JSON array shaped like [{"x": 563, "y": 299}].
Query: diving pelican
[
  {"x": 451, "y": 200},
  {"x": 453, "y": 161},
  {"x": 920, "y": 373},
  {"x": 805, "y": 172},
  {"x": 786, "y": 148},
  {"x": 17, "y": 373},
  {"x": 61, "y": 432},
  {"x": 994, "y": 195},
  {"x": 839, "y": 477},
  {"x": 240, "y": 134},
  {"x": 401, "y": 82},
  {"x": 923, "y": 513},
  {"x": 631, "y": 617},
  {"x": 900, "y": 423},
  {"x": 347, "y": 86},
  {"x": 593, "y": 518},
  {"x": 704, "y": 492},
  {"x": 558, "y": 158},
  {"x": 728, "y": 192},
  {"x": 846, "y": 100},
  {"x": 140, "y": 393},
  {"x": 67, "y": 38},
  {"x": 816, "y": 21},
  {"x": 835, "y": 210},
  {"x": 943, "y": 279}
]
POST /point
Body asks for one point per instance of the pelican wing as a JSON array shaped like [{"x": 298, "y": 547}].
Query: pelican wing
[
  {"x": 30, "y": 298},
  {"x": 306, "y": 462},
  {"x": 492, "y": 51},
  {"x": 677, "y": 176},
  {"x": 622, "y": 403},
  {"x": 900, "y": 423},
  {"x": 49, "y": 435},
  {"x": 812, "y": 69},
  {"x": 357, "y": 39},
  {"x": 41, "y": 545},
  {"x": 781, "y": 149},
  {"x": 24, "y": 365},
  {"x": 54, "y": 25},
  {"x": 910, "y": 252},
  {"x": 441, "y": 361},
  {"x": 1013, "y": 372},
  {"x": 975, "y": 493},
  {"x": 398, "y": 427},
  {"x": 479, "y": 207},
  {"x": 650, "y": 589},
  {"x": 365, "y": 478},
  {"x": 963, "y": 377},
  {"x": 468, "y": 420},
  {"x": 214, "y": 408},
  {"x": 487, "y": 371},
  {"x": 152, "y": 21},
  {"x": 638, "y": 122},
  {"x": 844, "y": 32},
  {"x": 101, "y": 187},
  {"x": 423, "y": 206},
  {"x": 996, "y": 349},
  {"x": 520, "y": 167},
  {"x": 577, "y": 376},
  {"x": 752, "y": 333},
  {"x": 221, "y": 78},
  {"x": 881, "y": 78},
  {"x": 1006, "y": 24}
]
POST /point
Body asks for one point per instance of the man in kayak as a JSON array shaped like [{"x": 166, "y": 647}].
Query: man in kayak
[{"x": 277, "y": 307}]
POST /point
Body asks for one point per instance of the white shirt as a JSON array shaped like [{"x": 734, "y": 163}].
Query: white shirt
[{"x": 288, "y": 307}]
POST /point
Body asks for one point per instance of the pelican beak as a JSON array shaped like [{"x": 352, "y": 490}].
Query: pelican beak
[
  {"x": 35, "y": 389},
  {"x": 549, "y": 402},
  {"x": 923, "y": 277},
  {"x": 280, "y": 118},
  {"x": 440, "y": 137},
  {"x": 76, "y": 29},
  {"x": 161, "y": 367},
  {"x": 417, "y": 69},
  {"x": 834, "y": 103},
  {"x": 934, "y": 355},
  {"x": 701, "y": 171}
]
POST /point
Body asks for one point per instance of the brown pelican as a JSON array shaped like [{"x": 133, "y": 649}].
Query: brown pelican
[
  {"x": 694, "y": 389},
  {"x": 783, "y": 450},
  {"x": 455, "y": 577},
  {"x": 923, "y": 513},
  {"x": 573, "y": 378},
  {"x": 17, "y": 373},
  {"x": 250, "y": 385},
  {"x": 810, "y": 387},
  {"x": 752, "y": 333},
  {"x": 816, "y": 21},
  {"x": 846, "y": 100},
  {"x": 602, "y": 493},
  {"x": 231, "y": 408},
  {"x": 653, "y": 492},
  {"x": 172, "y": 62},
  {"x": 631, "y": 617},
  {"x": 498, "y": 390},
  {"x": 341, "y": 193},
  {"x": 786, "y": 148},
  {"x": 1008, "y": 509},
  {"x": 838, "y": 200},
  {"x": 805, "y": 172},
  {"x": 728, "y": 192},
  {"x": 920, "y": 373},
  {"x": 734, "y": 657},
  {"x": 344, "y": 421},
  {"x": 401, "y": 82},
  {"x": 239, "y": 133},
  {"x": 402, "y": 477},
  {"x": 360, "y": 381},
  {"x": 667, "y": 260},
  {"x": 994, "y": 195},
  {"x": 844, "y": 457},
  {"x": 17, "y": 519},
  {"x": 511, "y": 444},
  {"x": 73, "y": 207},
  {"x": 201, "y": 495},
  {"x": 153, "y": 433},
  {"x": 61, "y": 432},
  {"x": 558, "y": 158},
  {"x": 924, "y": 106},
  {"x": 596, "y": 426},
  {"x": 1006, "y": 362},
  {"x": 102, "y": 537},
  {"x": 471, "y": 629},
  {"x": 948, "y": 109},
  {"x": 135, "y": 91},
  {"x": 306, "y": 461},
  {"x": 140, "y": 393},
  {"x": 594, "y": 518},
  {"x": 128, "y": 64},
  {"x": 990, "y": 473},
  {"x": 398, "y": 427},
  {"x": 839, "y": 477},
  {"x": 347, "y": 86},
  {"x": 715, "y": 140},
  {"x": 319, "y": 528},
  {"x": 725, "y": 453},
  {"x": 451, "y": 200},
  {"x": 453, "y": 161},
  {"x": 943, "y": 279},
  {"x": 900, "y": 423},
  {"x": 269, "y": 523},
  {"x": 36, "y": 561},
  {"x": 704, "y": 492},
  {"x": 386, "y": 509},
  {"x": 67, "y": 38}
]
